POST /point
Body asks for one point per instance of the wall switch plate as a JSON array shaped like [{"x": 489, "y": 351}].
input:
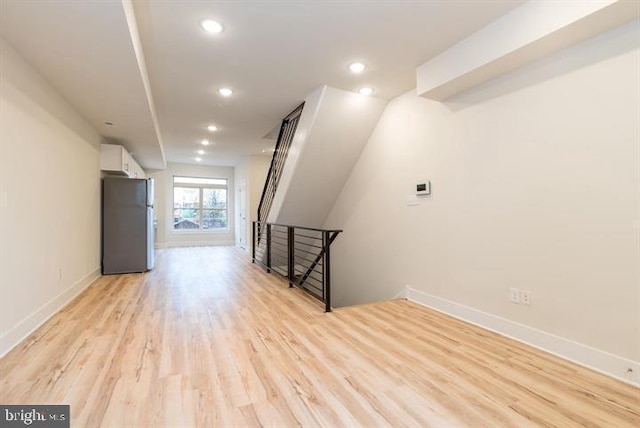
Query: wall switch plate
[
  {"x": 515, "y": 295},
  {"x": 423, "y": 187},
  {"x": 525, "y": 297}
]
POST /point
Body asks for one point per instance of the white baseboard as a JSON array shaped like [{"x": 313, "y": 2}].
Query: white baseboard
[
  {"x": 201, "y": 244},
  {"x": 28, "y": 325},
  {"x": 595, "y": 359},
  {"x": 403, "y": 294}
]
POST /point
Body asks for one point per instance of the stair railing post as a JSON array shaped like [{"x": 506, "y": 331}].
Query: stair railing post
[
  {"x": 268, "y": 249},
  {"x": 326, "y": 243},
  {"x": 290, "y": 248},
  {"x": 253, "y": 242}
]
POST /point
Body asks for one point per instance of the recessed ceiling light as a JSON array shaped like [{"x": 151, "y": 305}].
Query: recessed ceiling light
[
  {"x": 212, "y": 128},
  {"x": 365, "y": 91},
  {"x": 357, "y": 67},
  {"x": 225, "y": 92},
  {"x": 109, "y": 123},
  {"x": 205, "y": 142},
  {"x": 200, "y": 152},
  {"x": 211, "y": 26},
  {"x": 198, "y": 159}
]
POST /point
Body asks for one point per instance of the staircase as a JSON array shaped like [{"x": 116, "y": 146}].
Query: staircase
[
  {"x": 332, "y": 131},
  {"x": 285, "y": 137},
  {"x": 318, "y": 145}
]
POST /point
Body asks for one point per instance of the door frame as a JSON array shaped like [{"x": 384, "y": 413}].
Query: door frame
[{"x": 241, "y": 192}]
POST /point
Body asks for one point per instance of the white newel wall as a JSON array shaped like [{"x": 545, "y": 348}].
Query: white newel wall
[
  {"x": 535, "y": 185},
  {"x": 333, "y": 129}
]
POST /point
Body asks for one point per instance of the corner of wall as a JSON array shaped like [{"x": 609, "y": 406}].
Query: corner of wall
[
  {"x": 603, "y": 362},
  {"x": 31, "y": 323}
]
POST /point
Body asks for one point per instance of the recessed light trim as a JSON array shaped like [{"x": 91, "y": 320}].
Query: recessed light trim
[
  {"x": 212, "y": 128},
  {"x": 205, "y": 142},
  {"x": 225, "y": 92},
  {"x": 365, "y": 91},
  {"x": 357, "y": 67},
  {"x": 211, "y": 26}
]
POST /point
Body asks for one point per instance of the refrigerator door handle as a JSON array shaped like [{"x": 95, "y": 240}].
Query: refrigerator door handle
[{"x": 150, "y": 239}]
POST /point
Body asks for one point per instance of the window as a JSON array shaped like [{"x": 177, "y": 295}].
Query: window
[{"x": 200, "y": 203}]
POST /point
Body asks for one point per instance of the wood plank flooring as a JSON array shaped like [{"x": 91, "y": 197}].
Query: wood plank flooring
[{"x": 209, "y": 340}]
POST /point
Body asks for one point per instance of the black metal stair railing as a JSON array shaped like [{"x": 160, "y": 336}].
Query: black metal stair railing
[
  {"x": 300, "y": 254},
  {"x": 287, "y": 131}
]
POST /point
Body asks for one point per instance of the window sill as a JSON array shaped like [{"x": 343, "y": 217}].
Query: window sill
[{"x": 199, "y": 231}]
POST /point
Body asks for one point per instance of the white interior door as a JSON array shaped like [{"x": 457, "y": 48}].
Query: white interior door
[{"x": 242, "y": 214}]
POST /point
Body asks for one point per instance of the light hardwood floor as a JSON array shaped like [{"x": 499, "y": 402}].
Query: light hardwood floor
[{"x": 209, "y": 340}]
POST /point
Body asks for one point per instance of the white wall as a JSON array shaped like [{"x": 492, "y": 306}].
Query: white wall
[
  {"x": 253, "y": 170},
  {"x": 49, "y": 200},
  {"x": 166, "y": 236},
  {"x": 332, "y": 131},
  {"x": 241, "y": 173},
  {"x": 535, "y": 180},
  {"x": 259, "y": 168}
]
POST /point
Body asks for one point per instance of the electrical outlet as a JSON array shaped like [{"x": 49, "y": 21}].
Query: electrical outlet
[
  {"x": 515, "y": 295},
  {"x": 525, "y": 297}
]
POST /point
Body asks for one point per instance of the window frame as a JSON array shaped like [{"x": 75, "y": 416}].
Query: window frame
[{"x": 201, "y": 209}]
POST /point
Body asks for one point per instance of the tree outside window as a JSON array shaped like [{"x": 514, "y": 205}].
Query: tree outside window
[{"x": 200, "y": 203}]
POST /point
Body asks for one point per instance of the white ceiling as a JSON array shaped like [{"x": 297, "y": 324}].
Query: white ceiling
[
  {"x": 272, "y": 53},
  {"x": 84, "y": 49}
]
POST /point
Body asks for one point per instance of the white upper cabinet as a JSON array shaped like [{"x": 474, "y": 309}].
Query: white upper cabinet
[
  {"x": 138, "y": 172},
  {"x": 115, "y": 159}
]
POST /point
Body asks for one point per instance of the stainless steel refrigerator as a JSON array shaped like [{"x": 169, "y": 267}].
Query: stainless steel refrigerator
[{"x": 127, "y": 225}]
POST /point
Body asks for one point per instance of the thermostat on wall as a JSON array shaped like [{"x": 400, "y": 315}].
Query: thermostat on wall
[{"x": 423, "y": 187}]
